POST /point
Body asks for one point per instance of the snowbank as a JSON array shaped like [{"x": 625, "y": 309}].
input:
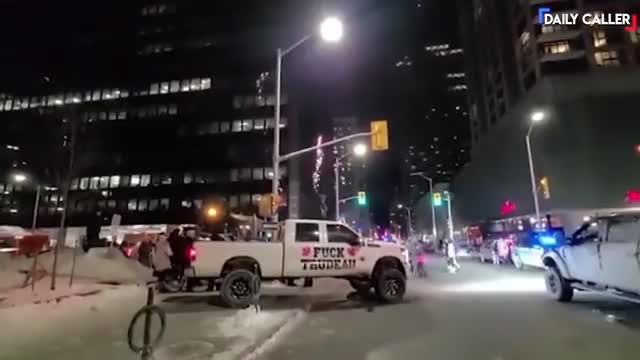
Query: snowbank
[{"x": 106, "y": 265}]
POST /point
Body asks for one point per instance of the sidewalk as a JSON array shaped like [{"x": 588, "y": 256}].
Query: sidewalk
[{"x": 94, "y": 326}]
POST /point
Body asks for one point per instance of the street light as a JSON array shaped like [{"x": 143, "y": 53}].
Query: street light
[
  {"x": 359, "y": 150},
  {"x": 434, "y": 231},
  {"x": 21, "y": 178},
  {"x": 212, "y": 212},
  {"x": 331, "y": 30},
  {"x": 536, "y": 117}
]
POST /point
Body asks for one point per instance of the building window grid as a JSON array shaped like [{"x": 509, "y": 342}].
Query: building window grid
[
  {"x": 557, "y": 47},
  {"x": 607, "y": 58}
]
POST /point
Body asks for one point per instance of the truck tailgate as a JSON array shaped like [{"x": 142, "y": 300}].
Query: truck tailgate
[{"x": 212, "y": 255}]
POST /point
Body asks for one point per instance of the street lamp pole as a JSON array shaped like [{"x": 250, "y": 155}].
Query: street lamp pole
[
  {"x": 331, "y": 31},
  {"x": 34, "y": 222},
  {"x": 450, "y": 220},
  {"x": 535, "y": 118},
  {"x": 336, "y": 181},
  {"x": 434, "y": 230}
]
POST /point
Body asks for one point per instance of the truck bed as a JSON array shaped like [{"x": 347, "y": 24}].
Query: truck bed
[{"x": 211, "y": 256}]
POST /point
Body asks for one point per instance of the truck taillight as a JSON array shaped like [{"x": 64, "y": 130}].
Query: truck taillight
[{"x": 191, "y": 253}]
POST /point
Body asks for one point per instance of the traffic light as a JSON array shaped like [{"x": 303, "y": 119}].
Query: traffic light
[
  {"x": 362, "y": 198},
  {"x": 437, "y": 199},
  {"x": 379, "y": 135},
  {"x": 544, "y": 187},
  {"x": 268, "y": 205}
]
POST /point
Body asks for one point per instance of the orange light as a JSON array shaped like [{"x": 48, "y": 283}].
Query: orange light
[{"x": 212, "y": 212}]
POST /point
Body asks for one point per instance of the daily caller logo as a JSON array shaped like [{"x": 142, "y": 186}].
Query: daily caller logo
[{"x": 629, "y": 21}]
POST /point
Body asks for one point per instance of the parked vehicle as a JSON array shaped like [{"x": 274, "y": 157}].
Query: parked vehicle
[
  {"x": 302, "y": 249},
  {"x": 603, "y": 255}
]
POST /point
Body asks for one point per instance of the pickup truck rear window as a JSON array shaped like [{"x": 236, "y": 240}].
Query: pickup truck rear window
[{"x": 307, "y": 232}]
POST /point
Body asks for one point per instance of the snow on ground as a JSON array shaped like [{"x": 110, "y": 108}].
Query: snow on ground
[{"x": 106, "y": 265}]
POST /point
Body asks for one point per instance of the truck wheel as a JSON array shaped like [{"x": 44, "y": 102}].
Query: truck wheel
[
  {"x": 360, "y": 285},
  {"x": 558, "y": 286},
  {"x": 390, "y": 285},
  {"x": 237, "y": 289}
]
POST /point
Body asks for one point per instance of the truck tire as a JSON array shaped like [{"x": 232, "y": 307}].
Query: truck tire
[
  {"x": 237, "y": 289},
  {"x": 390, "y": 285},
  {"x": 557, "y": 286},
  {"x": 360, "y": 285}
]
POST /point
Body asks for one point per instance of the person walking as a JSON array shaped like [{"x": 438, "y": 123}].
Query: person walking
[
  {"x": 162, "y": 255},
  {"x": 495, "y": 255},
  {"x": 452, "y": 262},
  {"x": 145, "y": 251}
]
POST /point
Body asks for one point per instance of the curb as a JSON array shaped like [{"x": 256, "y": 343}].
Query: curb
[{"x": 266, "y": 342}]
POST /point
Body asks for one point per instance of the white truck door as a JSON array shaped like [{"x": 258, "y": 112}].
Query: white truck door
[
  {"x": 301, "y": 259},
  {"x": 620, "y": 254},
  {"x": 344, "y": 251},
  {"x": 583, "y": 261}
]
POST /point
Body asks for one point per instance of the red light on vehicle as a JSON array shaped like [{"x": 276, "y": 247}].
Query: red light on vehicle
[
  {"x": 192, "y": 254},
  {"x": 633, "y": 196},
  {"x": 129, "y": 251},
  {"x": 637, "y": 147}
]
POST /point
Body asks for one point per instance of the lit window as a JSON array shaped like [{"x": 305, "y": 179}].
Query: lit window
[
  {"x": 599, "y": 38},
  {"x": 84, "y": 183},
  {"x": 225, "y": 127},
  {"x": 195, "y": 84},
  {"x": 164, "y": 204},
  {"x": 104, "y": 182},
  {"x": 270, "y": 123},
  {"x": 145, "y": 180},
  {"x": 74, "y": 184},
  {"x": 234, "y": 175},
  {"x": 258, "y": 174},
  {"x": 175, "y": 86},
  {"x": 557, "y": 48},
  {"x": 166, "y": 179},
  {"x": 143, "y": 204},
  {"x": 162, "y": 110},
  {"x": 247, "y": 125},
  {"x": 607, "y": 58},
  {"x": 164, "y": 87},
  {"x": 187, "y": 178},
  {"x": 205, "y": 83},
  {"x": 258, "y": 124},
  {"x": 96, "y": 95},
  {"x": 135, "y": 180},
  {"x": 114, "y": 182},
  {"x": 173, "y": 109},
  {"x": 153, "y": 204},
  {"x": 132, "y": 205},
  {"x": 94, "y": 183},
  {"x": 237, "y": 126},
  {"x": 184, "y": 86},
  {"x": 154, "y": 88}
]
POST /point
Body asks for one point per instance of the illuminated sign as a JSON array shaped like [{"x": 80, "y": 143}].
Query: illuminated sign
[
  {"x": 596, "y": 18},
  {"x": 508, "y": 207},
  {"x": 633, "y": 196}
]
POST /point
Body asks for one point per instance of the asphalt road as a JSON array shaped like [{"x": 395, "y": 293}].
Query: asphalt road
[{"x": 482, "y": 312}]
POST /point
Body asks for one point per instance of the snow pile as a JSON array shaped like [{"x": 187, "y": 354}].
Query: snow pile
[{"x": 106, "y": 265}]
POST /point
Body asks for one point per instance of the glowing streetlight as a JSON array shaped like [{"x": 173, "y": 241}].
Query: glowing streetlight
[
  {"x": 537, "y": 116},
  {"x": 212, "y": 212},
  {"x": 331, "y": 30},
  {"x": 360, "y": 150},
  {"x": 19, "y": 178}
]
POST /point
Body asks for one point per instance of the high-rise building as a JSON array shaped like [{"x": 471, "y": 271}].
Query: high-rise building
[
  {"x": 167, "y": 108},
  {"x": 435, "y": 136},
  {"x": 582, "y": 81}
]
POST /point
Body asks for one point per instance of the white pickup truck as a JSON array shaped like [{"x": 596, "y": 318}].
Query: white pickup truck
[
  {"x": 302, "y": 249},
  {"x": 603, "y": 255}
]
